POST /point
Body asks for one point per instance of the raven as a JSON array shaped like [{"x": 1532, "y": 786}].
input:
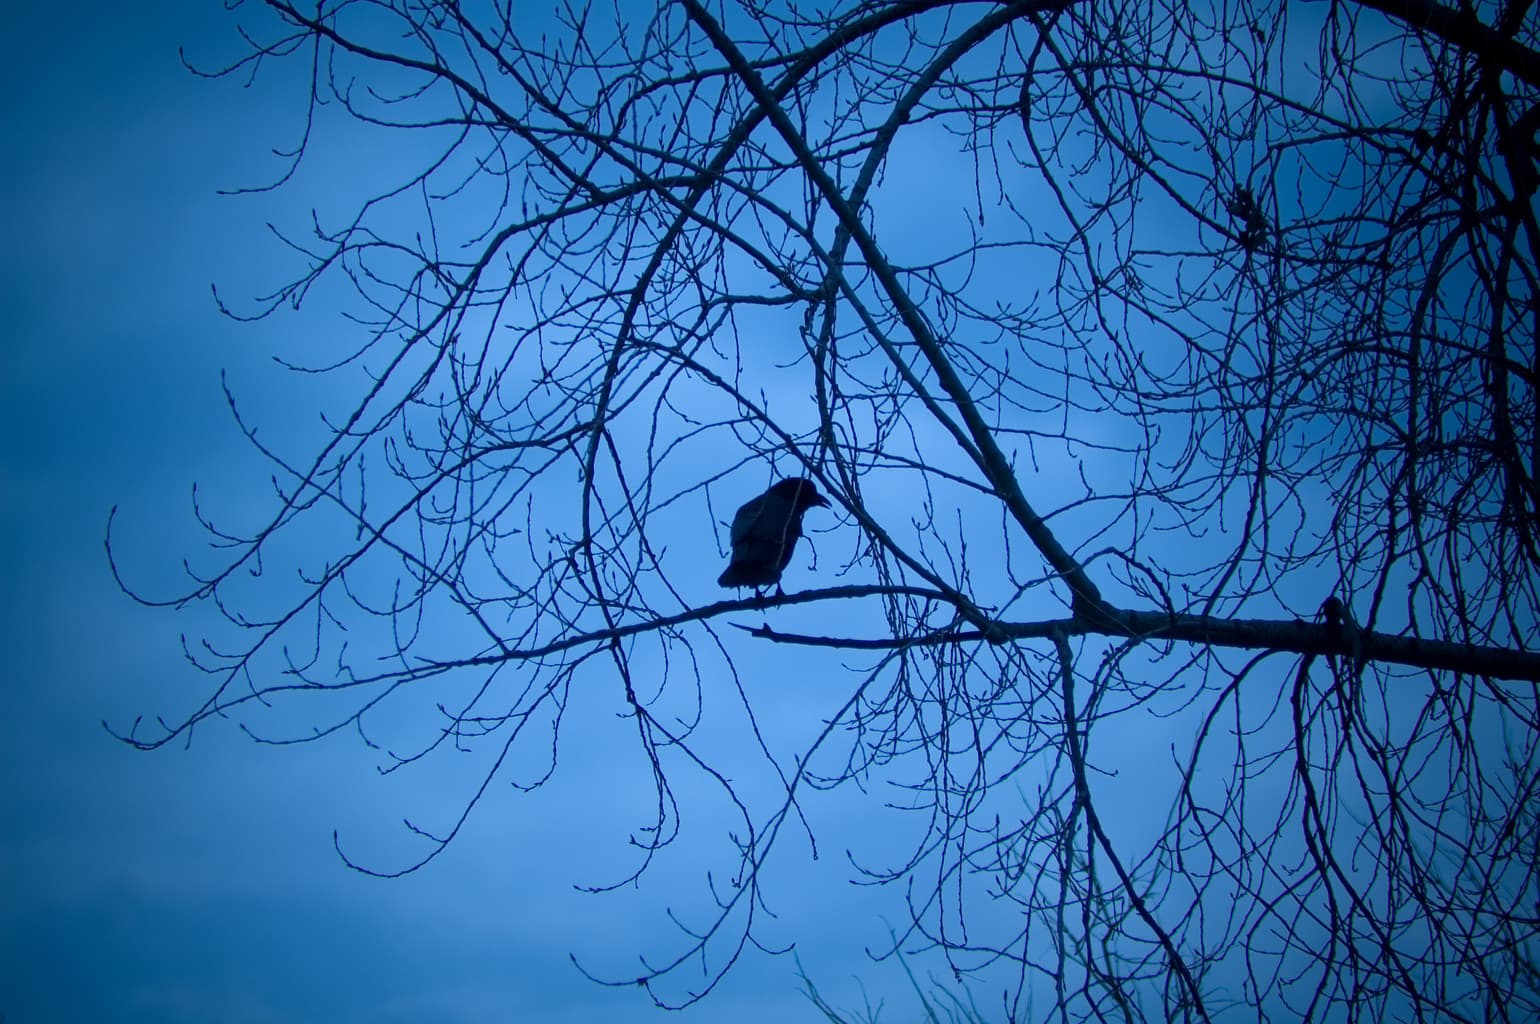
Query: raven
[{"x": 766, "y": 529}]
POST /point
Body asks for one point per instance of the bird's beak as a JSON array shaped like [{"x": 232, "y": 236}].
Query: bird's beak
[{"x": 819, "y": 499}]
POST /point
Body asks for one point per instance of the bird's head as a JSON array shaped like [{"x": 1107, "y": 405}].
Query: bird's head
[{"x": 800, "y": 492}]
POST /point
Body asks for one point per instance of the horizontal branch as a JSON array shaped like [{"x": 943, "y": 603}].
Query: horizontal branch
[
  {"x": 1311, "y": 638},
  {"x": 1294, "y": 635},
  {"x": 709, "y": 611}
]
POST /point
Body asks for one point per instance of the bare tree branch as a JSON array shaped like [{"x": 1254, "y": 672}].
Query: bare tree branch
[{"x": 1171, "y": 370}]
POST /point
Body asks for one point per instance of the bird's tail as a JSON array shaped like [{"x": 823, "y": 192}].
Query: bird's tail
[{"x": 734, "y": 576}]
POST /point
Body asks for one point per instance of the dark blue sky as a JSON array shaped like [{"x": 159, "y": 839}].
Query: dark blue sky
[{"x": 200, "y": 884}]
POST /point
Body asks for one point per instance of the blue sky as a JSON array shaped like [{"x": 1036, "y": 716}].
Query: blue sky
[{"x": 200, "y": 884}]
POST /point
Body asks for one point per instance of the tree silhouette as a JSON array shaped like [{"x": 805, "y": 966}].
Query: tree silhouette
[{"x": 1171, "y": 370}]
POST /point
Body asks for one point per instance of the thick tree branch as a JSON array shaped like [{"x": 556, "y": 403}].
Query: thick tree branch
[
  {"x": 1465, "y": 30},
  {"x": 1283, "y": 635}
]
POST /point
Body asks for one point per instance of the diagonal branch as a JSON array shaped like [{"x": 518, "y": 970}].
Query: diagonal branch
[
  {"x": 1463, "y": 29},
  {"x": 990, "y": 459}
]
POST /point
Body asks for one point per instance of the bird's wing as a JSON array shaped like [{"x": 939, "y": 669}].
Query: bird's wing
[
  {"x": 747, "y": 517},
  {"x": 768, "y": 519},
  {"x": 764, "y": 531},
  {"x": 756, "y": 539}
]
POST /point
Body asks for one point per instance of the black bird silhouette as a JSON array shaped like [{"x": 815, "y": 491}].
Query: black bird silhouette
[
  {"x": 766, "y": 529},
  {"x": 1334, "y": 613}
]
